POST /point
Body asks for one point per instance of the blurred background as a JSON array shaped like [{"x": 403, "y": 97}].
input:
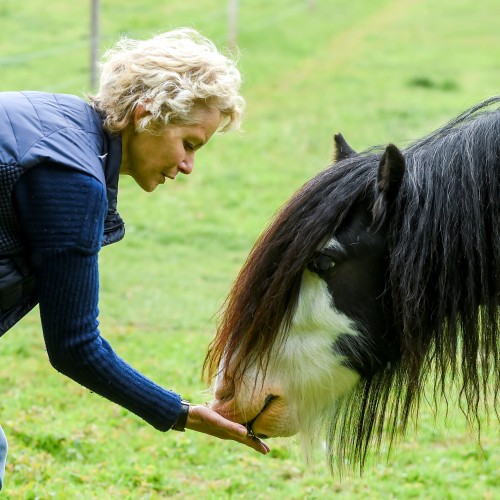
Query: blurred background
[{"x": 378, "y": 71}]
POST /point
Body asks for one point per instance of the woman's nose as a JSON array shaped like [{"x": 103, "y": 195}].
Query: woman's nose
[{"x": 187, "y": 165}]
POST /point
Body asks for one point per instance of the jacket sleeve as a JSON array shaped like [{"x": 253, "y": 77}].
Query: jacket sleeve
[{"x": 61, "y": 213}]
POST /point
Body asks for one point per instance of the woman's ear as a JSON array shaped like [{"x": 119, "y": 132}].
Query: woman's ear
[{"x": 139, "y": 112}]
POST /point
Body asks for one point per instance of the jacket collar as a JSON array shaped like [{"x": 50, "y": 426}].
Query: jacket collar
[{"x": 114, "y": 227}]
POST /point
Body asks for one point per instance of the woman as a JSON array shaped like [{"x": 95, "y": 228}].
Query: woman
[{"x": 158, "y": 102}]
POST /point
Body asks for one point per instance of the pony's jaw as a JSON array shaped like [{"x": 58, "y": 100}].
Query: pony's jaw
[{"x": 304, "y": 369}]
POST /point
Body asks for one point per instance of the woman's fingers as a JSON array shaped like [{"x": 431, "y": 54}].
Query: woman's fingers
[{"x": 206, "y": 420}]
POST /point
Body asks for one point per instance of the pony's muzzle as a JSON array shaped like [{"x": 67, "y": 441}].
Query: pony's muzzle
[{"x": 249, "y": 424}]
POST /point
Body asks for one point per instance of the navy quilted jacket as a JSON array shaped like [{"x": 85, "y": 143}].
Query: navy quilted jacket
[{"x": 35, "y": 128}]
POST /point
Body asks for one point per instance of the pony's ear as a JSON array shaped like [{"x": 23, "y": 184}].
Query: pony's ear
[
  {"x": 390, "y": 172},
  {"x": 390, "y": 175},
  {"x": 341, "y": 150}
]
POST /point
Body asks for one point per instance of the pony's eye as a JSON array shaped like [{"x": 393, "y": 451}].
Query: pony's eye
[{"x": 321, "y": 263}]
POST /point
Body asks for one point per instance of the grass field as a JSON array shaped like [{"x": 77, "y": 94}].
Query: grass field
[{"x": 378, "y": 71}]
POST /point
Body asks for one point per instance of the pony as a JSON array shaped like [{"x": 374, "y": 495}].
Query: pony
[{"x": 376, "y": 280}]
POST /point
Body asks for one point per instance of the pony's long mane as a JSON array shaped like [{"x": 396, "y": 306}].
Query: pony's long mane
[
  {"x": 445, "y": 259},
  {"x": 444, "y": 276}
]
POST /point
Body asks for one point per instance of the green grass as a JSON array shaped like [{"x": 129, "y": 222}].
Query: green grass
[{"x": 378, "y": 71}]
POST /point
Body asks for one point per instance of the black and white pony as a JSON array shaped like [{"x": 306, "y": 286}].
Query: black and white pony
[{"x": 381, "y": 273}]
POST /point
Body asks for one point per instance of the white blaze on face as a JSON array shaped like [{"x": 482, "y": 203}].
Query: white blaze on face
[
  {"x": 310, "y": 373},
  {"x": 304, "y": 375}
]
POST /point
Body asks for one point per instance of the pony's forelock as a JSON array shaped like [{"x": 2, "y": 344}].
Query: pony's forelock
[{"x": 259, "y": 308}]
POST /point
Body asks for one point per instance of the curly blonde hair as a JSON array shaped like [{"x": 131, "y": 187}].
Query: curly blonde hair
[{"x": 168, "y": 75}]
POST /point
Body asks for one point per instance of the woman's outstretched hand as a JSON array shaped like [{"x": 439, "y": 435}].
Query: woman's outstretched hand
[{"x": 204, "y": 419}]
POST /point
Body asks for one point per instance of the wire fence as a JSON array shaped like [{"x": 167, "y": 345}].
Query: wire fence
[{"x": 87, "y": 47}]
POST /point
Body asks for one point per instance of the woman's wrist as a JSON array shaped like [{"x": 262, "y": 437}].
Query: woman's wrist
[{"x": 180, "y": 424}]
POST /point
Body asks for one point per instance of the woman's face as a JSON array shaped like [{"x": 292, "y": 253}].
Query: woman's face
[{"x": 151, "y": 158}]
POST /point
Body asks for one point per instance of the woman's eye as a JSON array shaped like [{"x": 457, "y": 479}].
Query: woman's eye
[{"x": 188, "y": 146}]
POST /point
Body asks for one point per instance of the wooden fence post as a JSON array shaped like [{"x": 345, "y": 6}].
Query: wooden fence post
[
  {"x": 94, "y": 41},
  {"x": 233, "y": 23}
]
